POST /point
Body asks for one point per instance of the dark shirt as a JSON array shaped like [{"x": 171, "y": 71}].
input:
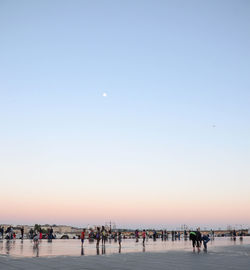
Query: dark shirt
[
  {"x": 192, "y": 235},
  {"x": 198, "y": 236}
]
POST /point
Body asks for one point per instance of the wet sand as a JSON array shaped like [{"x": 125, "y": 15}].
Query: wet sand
[
  {"x": 70, "y": 247},
  {"x": 233, "y": 257}
]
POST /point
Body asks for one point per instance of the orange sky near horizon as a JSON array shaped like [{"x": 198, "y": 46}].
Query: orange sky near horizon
[{"x": 83, "y": 209}]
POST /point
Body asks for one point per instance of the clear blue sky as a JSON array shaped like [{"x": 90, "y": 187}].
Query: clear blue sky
[{"x": 177, "y": 78}]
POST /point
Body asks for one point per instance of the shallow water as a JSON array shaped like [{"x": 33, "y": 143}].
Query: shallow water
[{"x": 69, "y": 247}]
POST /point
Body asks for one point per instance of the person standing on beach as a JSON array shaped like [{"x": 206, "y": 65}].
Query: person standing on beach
[
  {"x": 22, "y": 231},
  {"x": 172, "y": 232},
  {"x": 136, "y": 235},
  {"x": 120, "y": 239},
  {"x": 98, "y": 237},
  {"x": 31, "y": 232},
  {"x": 198, "y": 239},
  {"x": 165, "y": 235},
  {"x": 40, "y": 234},
  {"x": 154, "y": 235},
  {"x": 185, "y": 235},
  {"x": 35, "y": 239},
  {"x": 103, "y": 232},
  {"x": 50, "y": 233},
  {"x": 234, "y": 235},
  {"x": 1, "y": 231},
  {"x": 82, "y": 236},
  {"x": 143, "y": 237}
]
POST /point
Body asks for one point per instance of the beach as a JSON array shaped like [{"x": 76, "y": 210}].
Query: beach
[
  {"x": 234, "y": 256},
  {"x": 229, "y": 258}
]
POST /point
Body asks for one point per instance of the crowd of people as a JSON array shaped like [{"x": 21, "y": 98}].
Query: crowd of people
[
  {"x": 9, "y": 233},
  {"x": 34, "y": 234},
  {"x": 101, "y": 235}
]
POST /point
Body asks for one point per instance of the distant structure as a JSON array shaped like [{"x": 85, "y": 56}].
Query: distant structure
[{"x": 110, "y": 225}]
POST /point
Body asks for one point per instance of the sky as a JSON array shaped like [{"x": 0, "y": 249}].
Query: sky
[{"x": 168, "y": 144}]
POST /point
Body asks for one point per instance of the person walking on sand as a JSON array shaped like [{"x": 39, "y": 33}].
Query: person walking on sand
[{"x": 82, "y": 236}]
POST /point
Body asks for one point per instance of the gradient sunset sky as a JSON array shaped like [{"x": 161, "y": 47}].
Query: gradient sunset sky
[{"x": 168, "y": 145}]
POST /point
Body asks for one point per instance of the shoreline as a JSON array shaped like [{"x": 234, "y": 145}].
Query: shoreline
[{"x": 73, "y": 248}]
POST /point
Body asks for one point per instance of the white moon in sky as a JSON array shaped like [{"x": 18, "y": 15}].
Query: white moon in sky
[{"x": 104, "y": 94}]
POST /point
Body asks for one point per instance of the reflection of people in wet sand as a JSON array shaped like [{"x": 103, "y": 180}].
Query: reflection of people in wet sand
[
  {"x": 82, "y": 251},
  {"x": 36, "y": 248},
  {"x": 103, "y": 250},
  {"x": 8, "y": 247}
]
